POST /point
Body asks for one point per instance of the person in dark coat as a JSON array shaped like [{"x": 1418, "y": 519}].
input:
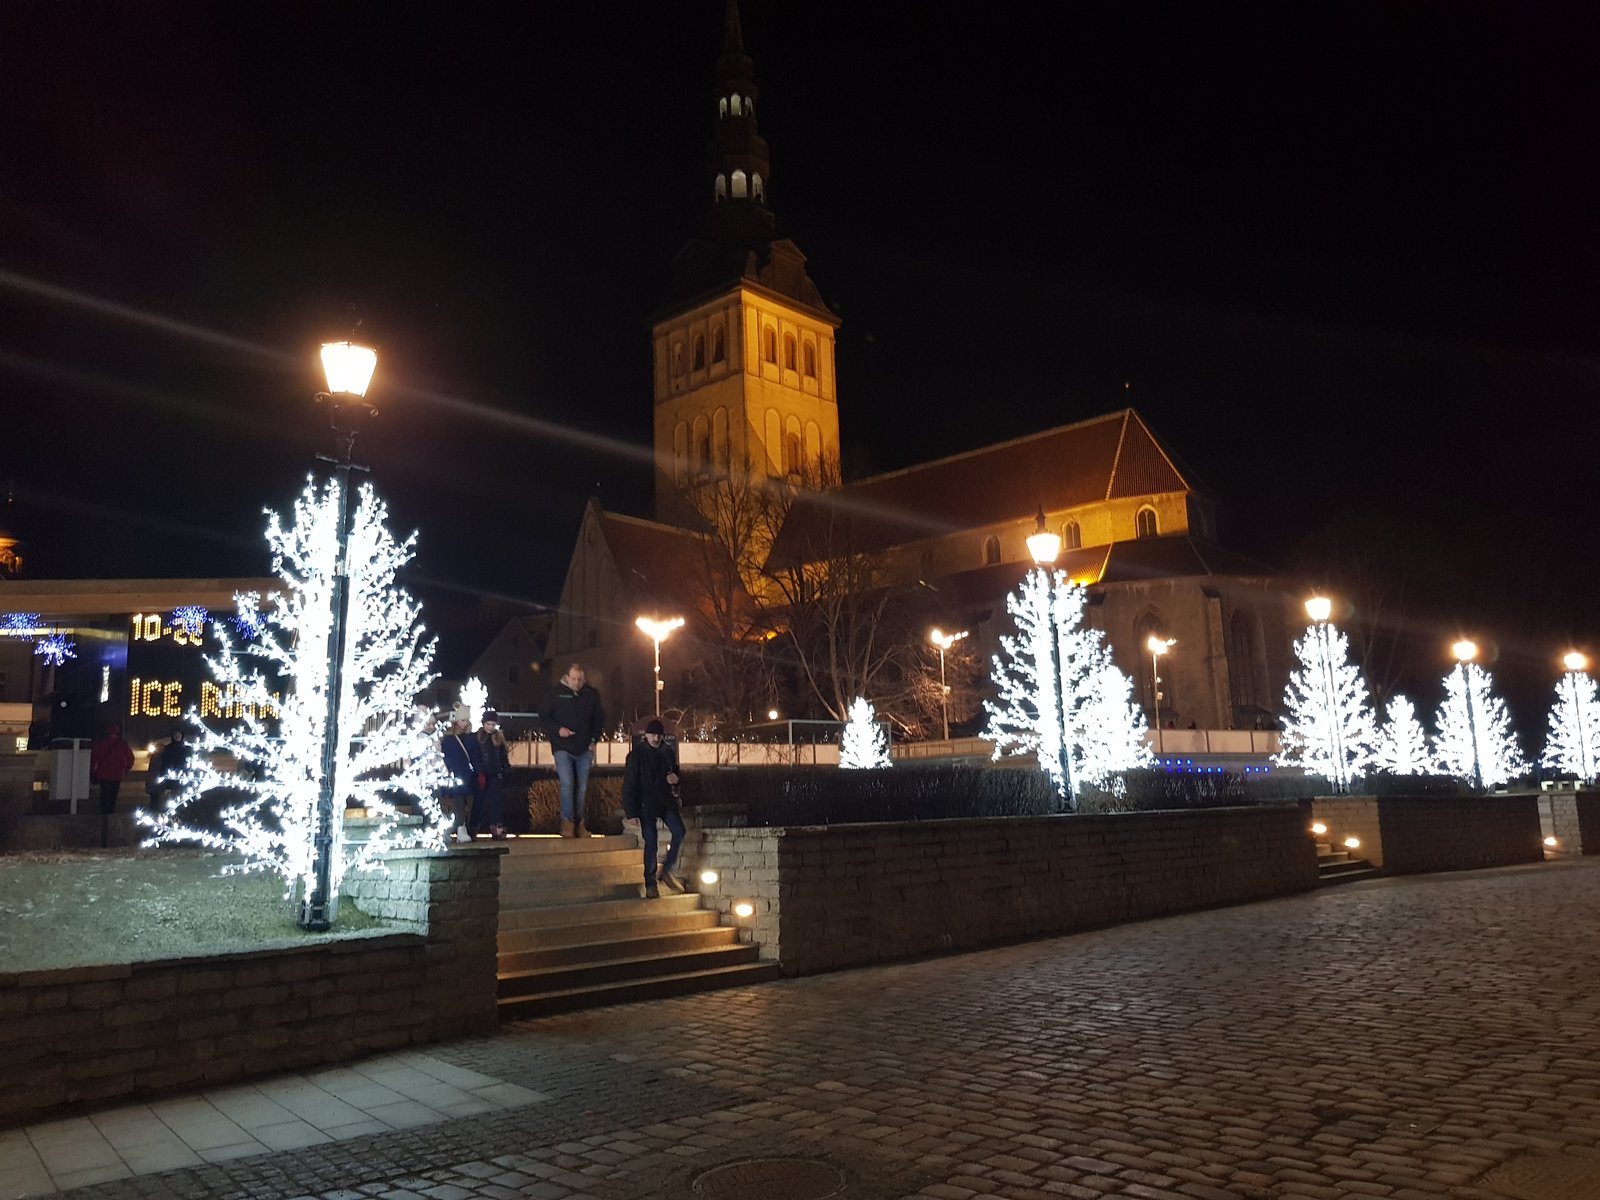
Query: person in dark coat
[
  {"x": 110, "y": 760},
  {"x": 649, "y": 792},
  {"x": 464, "y": 759},
  {"x": 167, "y": 763},
  {"x": 573, "y": 719},
  {"x": 496, "y": 758}
]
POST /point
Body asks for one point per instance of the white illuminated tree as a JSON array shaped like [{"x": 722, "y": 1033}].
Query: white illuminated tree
[
  {"x": 1486, "y": 724},
  {"x": 1084, "y": 719},
  {"x": 1573, "y": 747},
  {"x": 1329, "y": 728},
  {"x": 475, "y": 695},
  {"x": 864, "y": 743},
  {"x": 266, "y": 752},
  {"x": 1402, "y": 747}
]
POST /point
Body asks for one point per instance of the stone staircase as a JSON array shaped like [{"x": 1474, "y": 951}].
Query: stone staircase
[
  {"x": 574, "y": 932},
  {"x": 1338, "y": 866}
]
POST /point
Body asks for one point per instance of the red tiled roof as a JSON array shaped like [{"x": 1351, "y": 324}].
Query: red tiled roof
[
  {"x": 661, "y": 564},
  {"x": 1106, "y": 457}
]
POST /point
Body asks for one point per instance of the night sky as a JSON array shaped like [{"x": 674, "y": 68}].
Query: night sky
[{"x": 1342, "y": 257}]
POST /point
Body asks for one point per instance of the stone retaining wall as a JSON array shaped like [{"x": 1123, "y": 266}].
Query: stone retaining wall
[
  {"x": 1411, "y": 834},
  {"x": 843, "y": 895},
  {"x": 134, "y": 1029}
]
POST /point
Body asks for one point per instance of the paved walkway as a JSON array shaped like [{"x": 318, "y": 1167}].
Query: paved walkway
[{"x": 1412, "y": 1038}]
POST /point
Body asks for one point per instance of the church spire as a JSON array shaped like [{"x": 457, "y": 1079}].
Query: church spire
[{"x": 741, "y": 167}]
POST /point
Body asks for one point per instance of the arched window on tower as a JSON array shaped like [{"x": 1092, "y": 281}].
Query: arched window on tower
[
  {"x": 991, "y": 550},
  {"x": 1071, "y": 536},
  {"x": 738, "y": 106},
  {"x": 699, "y": 352},
  {"x": 739, "y": 185},
  {"x": 757, "y": 189},
  {"x": 722, "y": 107},
  {"x": 809, "y": 357},
  {"x": 680, "y": 453},
  {"x": 769, "y": 344},
  {"x": 1144, "y": 524},
  {"x": 677, "y": 358},
  {"x": 719, "y": 345},
  {"x": 719, "y": 440},
  {"x": 788, "y": 351},
  {"x": 793, "y": 462},
  {"x": 722, "y": 187},
  {"x": 702, "y": 446},
  {"x": 813, "y": 445}
]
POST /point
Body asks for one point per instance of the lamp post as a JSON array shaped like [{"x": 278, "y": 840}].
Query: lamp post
[
  {"x": 1319, "y": 609},
  {"x": 1043, "y": 547},
  {"x": 348, "y": 369},
  {"x": 1157, "y": 647},
  {"x": 1575, "y": 664},
  {"x": 944, "y": 641},
  {"x": 657, "y": 632},
  {"x": 1465, "y": 652}
]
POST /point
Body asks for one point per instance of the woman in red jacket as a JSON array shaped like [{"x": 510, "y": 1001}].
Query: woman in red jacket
[{"x": 110, "y": 760}]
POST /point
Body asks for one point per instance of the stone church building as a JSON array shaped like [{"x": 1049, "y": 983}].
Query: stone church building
[{"x": 745, "y": 380}]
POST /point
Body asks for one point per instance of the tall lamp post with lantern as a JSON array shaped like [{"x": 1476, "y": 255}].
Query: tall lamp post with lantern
[
  {"x": 1465, "y": 651},
  {"x": 657, "y": 632},
  {"x": 1044, "y": 547},
  {"x": 944, "y": 641},
  {"x": 1157, "y": 647},
  {"x": 348, "y": 369},
  {"x": 1576, "y": 664}
]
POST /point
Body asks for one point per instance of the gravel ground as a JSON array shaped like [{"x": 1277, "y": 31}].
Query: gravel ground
[{"x": 92, "y": 908}]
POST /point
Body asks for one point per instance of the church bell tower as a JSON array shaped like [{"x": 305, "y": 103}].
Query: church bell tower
[{"x": 743, "y": 358}]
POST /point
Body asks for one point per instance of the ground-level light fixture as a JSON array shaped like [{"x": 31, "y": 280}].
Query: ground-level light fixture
[
  {"x": 1352, "y": 843},
  {"x": 1319, "y": 829},
  {"x": 709, "y": 877},
  {"x": 744, "y": 910},
  {"x": 657, "y": 632},
  {"x": 1551, "y": 842}
]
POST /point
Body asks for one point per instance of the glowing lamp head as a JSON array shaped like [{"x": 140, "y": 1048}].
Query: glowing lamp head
[
  {"x": 744, "y": 910},
  {"x": 1319, "y": 608},
  {"x": 658, "y": 630},
  {"x": 1319, "y": 828},
  {"x": 708, "y": 877},
  {"x": 1159, "y": 645},
  {"x": 772, "y": 714},
  {"x": 1352, "y": 843},
  {"x": 1575, "y": 661},
  {"x": 348, "y": 368},
  {"x": 945, "y": 640},
  {"x": 1465, "y": 651},
  {"x": 1043, "y": 545},
  {"x": 1551, "y": 843}
]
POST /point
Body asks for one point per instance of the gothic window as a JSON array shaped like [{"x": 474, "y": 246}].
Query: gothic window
[
  {"x": 1144, "y": 525},
  {"x": 702, "y": 445},
  {"x": 813, "y": 443},
  {"x": 756, "y": 188},
  {"x": 788, "y": 351},
  {"x": 737, "y": 105},
  {"x": 769, "y": 344},
  {"x": 719, "y": 349},
  {"x": 680, "y": 453},
  {"x": 991, "y": 550},
  {"x": 699, "y": 352},
  {"x": 722, "y": 107},
  {"x": 810, "y": 359},
  {"x": 774, "y": 441},
  {"x": 1071, "y": 536},
  {"x": 677, "y": 358},
  {"x": 793, "y": 463},
  {"x": 722, "y": 187},
  {"x": 739, "y": 185},
  {"x": 719, "y": 439}
]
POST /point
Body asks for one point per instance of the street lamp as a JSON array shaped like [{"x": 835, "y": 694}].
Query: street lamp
[
  {"x": 1157, "y": 647},
  {"x": 944, "y": 641},
  {"x": 1319, "y": 609},
  {"x": 1575, "y": 664},
  {"x": 1043, "y": 547},
  {"x": 657, "y": 632},
  {"x": 1465, "y": 652},
  {"x": 348, "y": 369}
]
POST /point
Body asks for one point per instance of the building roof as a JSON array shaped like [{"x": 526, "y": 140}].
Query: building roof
[
  {"x": 82, "y": 597},
  {"x": 1103, "y": 458},
  {"x": 655, "y": 561}
]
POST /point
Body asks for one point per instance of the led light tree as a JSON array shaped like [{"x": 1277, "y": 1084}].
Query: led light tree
[
  {"x": 864, "y": 743},
  {"x": 1329, "y": 728},
  {"x": 1078, "y": 718},
  {"x": 1573, "y": 747},
  {"x": 475, "y": 695},
  {"x": 1475, "y": 741},
  {"x": 1402, "y": 747},
  {"x": 384, "y": 749}
]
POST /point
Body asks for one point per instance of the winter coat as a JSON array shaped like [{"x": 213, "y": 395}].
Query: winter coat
[
  {"x": 645, "y": 791},
  {"x": 464, "y": 759},
  {"x": 580, "y": 711},
  {"x": 494, "y": 755},
  {"x": 110, "y": 758},
  {"x": 173, "y": 758}
]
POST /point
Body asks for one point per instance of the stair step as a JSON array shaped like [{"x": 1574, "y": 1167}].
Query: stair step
[
  {"x": 533, "y": 866},
  {"x": 542, "y": 916},
  {"x": 637, "y": 946},
  {"x": 584, "y": 975},
  {"x": 541, "y": 845},
  {"x": 652, "y": 924},
  {"x": 521, "y": 1008},
  {"x": 1333, "y": 877},
  {"x": 562, "y": 875},
  {"x": 1332, "y": 856},
  {"x": 567, "y": 898},
  {"x": 1344, "y": 868}
]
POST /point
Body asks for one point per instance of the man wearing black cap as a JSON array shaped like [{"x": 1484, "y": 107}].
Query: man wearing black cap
[{"x": 650, "y": 791}]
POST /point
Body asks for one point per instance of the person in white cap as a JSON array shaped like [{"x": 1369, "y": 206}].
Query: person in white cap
[{"x": 464, "y": 761}]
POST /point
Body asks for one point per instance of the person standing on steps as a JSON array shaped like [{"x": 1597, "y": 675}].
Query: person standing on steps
[
  {"x": 464, "y": 760},
  {"x": 486, "y": 814},
  {"x": 650, "y": 791},
  {"x": 574, "y": 719}
]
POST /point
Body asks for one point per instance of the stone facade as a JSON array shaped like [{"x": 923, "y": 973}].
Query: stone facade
[
  {"x": 94, "y": 1034},
  {"x": 845, "y": 895}
]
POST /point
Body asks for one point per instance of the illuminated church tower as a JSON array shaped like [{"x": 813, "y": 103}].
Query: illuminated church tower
[{"x": 743, "y": 357}]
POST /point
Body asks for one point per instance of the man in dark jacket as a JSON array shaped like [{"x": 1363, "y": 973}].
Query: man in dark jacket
[
  {"x": 650, "y": 791},
  {"x": 573, "y": 720}
]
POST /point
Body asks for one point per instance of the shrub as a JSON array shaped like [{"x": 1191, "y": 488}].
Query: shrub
[
  {"x": 534, "y": 796},
  {"x": 774, "y": 796}
]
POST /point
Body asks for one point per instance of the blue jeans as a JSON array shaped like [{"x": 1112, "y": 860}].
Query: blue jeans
[
  {"x": 573, "y": 772},
  {"x": 647, "y": 826}
]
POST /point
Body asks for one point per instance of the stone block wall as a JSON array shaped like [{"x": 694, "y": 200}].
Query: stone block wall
[
  {"x": 1352, "y": 816},
  {"x": 1458, "y": 833},
  {"x": 844, "y": 895},
  {"x": 96, "y": 1034}
]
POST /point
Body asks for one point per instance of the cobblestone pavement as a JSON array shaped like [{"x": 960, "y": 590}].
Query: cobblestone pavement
[{"x": 1399, "y": 1037}]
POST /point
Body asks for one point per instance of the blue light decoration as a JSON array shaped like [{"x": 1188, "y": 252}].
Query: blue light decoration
[
  {"x": 191, "y": 618},
  {"x": 248, "y": 622},
  {"x": 55, "y": 649},
  {"x": 18, "y": 624}
]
